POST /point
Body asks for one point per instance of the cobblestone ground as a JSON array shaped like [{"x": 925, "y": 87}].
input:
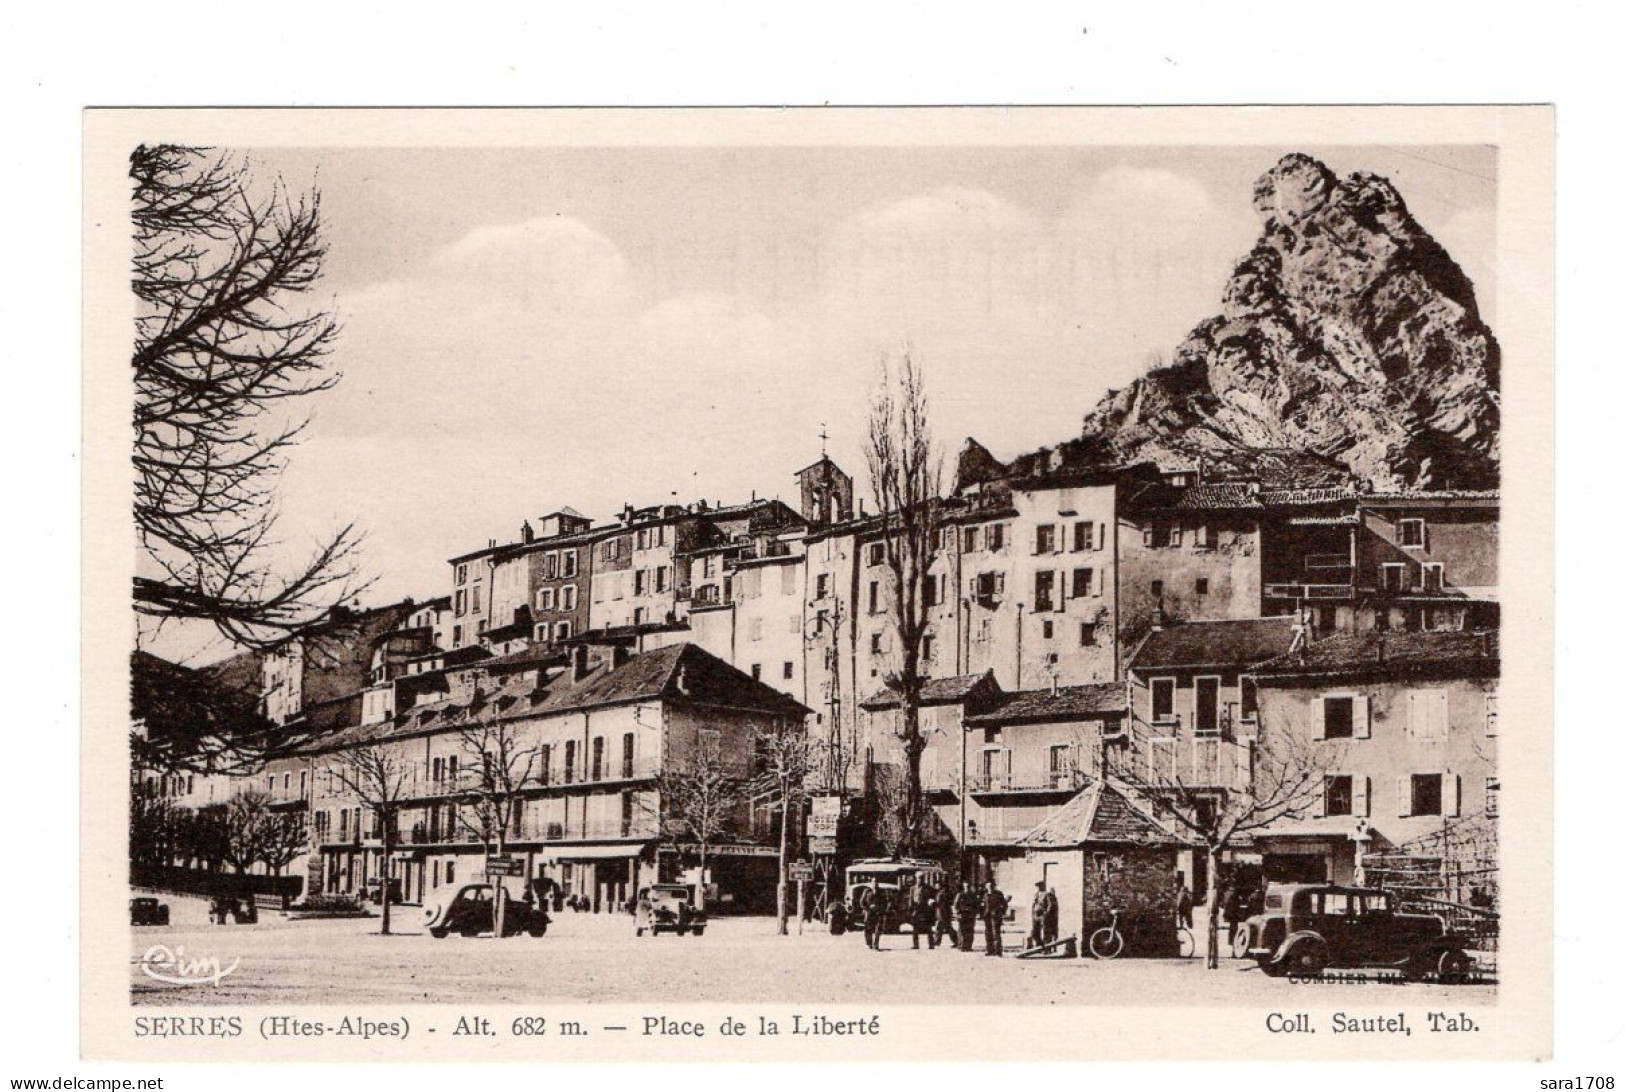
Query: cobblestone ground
[{"x": 586, "y": 958}]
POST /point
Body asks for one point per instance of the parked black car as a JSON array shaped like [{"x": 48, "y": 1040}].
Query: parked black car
[
  {"x": 469, "y": 910},
  {"x": 1306, "y": 928},
  {"x": 148, "y": 911}
]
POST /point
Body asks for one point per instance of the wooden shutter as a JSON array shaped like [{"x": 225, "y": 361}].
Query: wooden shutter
[
  {"x": 1100, "y": 536},
  {"x": 1148, "y": 531},
  {"x": 1362, "y": 795},
  {"x": 1404, "y": 786},
  {"x": 1317, "y": 718},
  {"x": 1318, "y": 809},
  {"x": 1452, "y": 793},
  {"x": 1097, "y": 582},
  {"x": 1362, "y": 717}
]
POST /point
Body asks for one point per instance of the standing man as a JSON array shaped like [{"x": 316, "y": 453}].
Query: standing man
[
  {"x": 923, "y": 915},
  {"x": 993, "y": 907},
  {"x": 1052, "y": 916},
  {"x": 1037, "y": 935},
  {"x": 944, "y": 925},
  {"x": 1183, "y": 902},
  {"x": 965, "y": 910}
]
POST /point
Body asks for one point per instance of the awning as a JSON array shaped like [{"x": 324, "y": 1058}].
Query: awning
[
  {"x": 1323, "y": 827},
  {"x": 590, "y": 853}
]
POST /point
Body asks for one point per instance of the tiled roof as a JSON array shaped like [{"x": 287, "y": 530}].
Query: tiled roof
[
  {"x": 1099, "y": 813},
  {"x": 1328, "y": 494},
  {"x": 1238, "y": 642},
  {"x": 678, "y": 672},
  {"x": 1061, "y": 704},
  {"x": 1352, "y": 653},
  {"x": 949, "y": 691}
]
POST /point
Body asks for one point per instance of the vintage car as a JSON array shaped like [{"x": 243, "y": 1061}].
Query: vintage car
[
  {"x": 1306, "y": 928},
  {"x": 469, "y": 910},
  {"x": 669, "y": 907},
  {"x": 870, "y": 878},
  {"x": 148, "y": 911}
]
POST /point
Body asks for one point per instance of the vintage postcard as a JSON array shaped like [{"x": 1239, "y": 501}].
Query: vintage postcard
[{"x": 818, "y": 584}]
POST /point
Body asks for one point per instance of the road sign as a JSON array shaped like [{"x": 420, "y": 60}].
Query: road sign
[
  {"x": 504, "y": 866},
  {"x": 801, "y": 871}
]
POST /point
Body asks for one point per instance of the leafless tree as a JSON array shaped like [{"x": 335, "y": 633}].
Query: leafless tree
[
  {"x": 222, "y": 350},
  {"x": 284, "y": 839},
  {"x": 500, "y": 764},
  {"x": 377, "y": 776},
  {"x": 1252, "y": 785},
  {"x": 244, "y": 827},
  {"x": 905, "y": 472},
  {"x": 784, "y": 761},
  {"x": 703, "y": 796}
]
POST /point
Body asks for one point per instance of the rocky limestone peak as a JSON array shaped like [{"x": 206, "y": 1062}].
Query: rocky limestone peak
[{"x": 1347, "y": 336}]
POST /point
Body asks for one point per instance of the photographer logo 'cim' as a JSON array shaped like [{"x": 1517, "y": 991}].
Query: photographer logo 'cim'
[{"x": 174, "y": 966}]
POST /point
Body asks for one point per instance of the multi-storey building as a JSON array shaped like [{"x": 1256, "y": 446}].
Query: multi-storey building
[
  {"x": 1405, "y": 727},
  {"x": 590, "y": 819},
  {"x": 540, "y": 586},
  {"x": 1019, "y": 782},
  {"x": 327, "y": 661},
  {"x": 1396, "y": 561}
]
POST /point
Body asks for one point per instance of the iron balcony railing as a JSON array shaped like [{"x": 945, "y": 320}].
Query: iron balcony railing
[{"x": 1062, "y": 780}]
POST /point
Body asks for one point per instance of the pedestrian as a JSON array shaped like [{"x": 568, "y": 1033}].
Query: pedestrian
[
  {"x": 1232, "y": 903},
  {"x": 993, "y": 907},
  {"x": 944, "y": 924},
  {"x": 874, "y": 920},
  {"x": 924, "y": 916},
  {"x": 965, "y": 909},
  {"x": 1036, "y": 937},
  {"x": 1183, "y": 902},
  {"x": 1052, "y": 916}
]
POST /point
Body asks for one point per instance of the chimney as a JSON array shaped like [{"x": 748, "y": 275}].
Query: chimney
[
  {"x": 527, "y": 533},
  {"x": 578, "y": 663}
]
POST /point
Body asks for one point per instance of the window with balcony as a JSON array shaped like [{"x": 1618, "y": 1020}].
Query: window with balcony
[
  {"x": 1044, "y": 590},
  {"x": 1162, "y": 701},
  {"x": 1207, "y": 705},
  {"x": 1339, "y": 796}
]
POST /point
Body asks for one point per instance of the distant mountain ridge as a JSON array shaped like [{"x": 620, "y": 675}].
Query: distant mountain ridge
[{"x": 1348, "y": 343}]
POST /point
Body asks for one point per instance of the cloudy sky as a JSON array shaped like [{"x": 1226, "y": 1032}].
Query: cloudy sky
[{"x": 536, "y": 328}]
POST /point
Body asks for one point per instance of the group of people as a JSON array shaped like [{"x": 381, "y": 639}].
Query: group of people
[{"x": 947, "y": 913}]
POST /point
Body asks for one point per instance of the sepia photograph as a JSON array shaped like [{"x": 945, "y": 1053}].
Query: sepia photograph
[{"x": 738, "y": 570}]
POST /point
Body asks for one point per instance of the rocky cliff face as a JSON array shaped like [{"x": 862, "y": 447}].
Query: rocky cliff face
[{"x": 1347, "y": 337}]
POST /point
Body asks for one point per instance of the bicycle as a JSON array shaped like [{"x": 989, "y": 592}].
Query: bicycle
[{"x": 1108, "y": 941}]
